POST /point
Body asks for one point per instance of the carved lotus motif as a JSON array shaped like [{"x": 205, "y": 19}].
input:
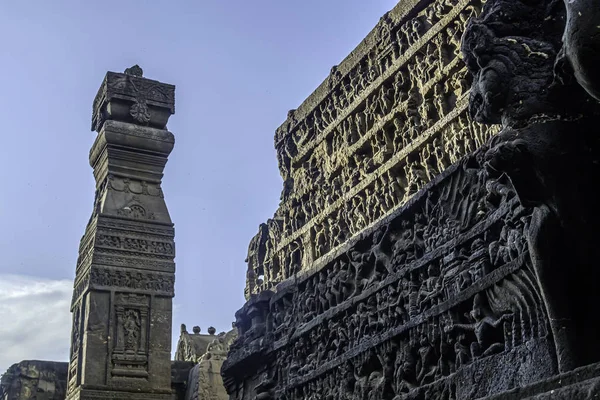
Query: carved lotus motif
[{"x": 139, "y": 111}]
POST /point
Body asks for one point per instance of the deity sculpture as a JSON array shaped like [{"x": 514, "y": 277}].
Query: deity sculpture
[{"x": 532, "y": 74}]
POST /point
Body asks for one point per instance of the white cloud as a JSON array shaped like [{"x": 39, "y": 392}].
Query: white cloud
[{"x": 35, "y": 319}]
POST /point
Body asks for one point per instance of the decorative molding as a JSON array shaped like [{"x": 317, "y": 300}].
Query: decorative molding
[{"x": 116, "y": 279}]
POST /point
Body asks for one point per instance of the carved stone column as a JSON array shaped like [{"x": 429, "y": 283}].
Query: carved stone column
[{"x": 122, "y": 299}]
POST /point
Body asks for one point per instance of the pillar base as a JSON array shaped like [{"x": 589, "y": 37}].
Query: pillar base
[{"x": 83, "y": 393}]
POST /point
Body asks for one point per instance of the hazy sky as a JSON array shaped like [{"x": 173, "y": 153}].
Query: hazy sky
[{"x": 239, "y": 66}]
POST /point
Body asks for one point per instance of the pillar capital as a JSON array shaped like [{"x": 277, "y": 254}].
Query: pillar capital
[{"x": 129, "y": 97}]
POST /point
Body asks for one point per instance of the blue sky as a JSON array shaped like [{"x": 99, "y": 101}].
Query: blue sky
[{"x": 239, "y": 66}]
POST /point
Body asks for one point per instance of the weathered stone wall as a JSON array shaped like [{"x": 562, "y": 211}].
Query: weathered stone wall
[
  {"x": 191, "y": 347},
  {"x": 388, "y": 119},
  {"x": 34, "y": 380},
  {"x": 207, "y": 354},
  {"x": 405, "y": 282},
  {"x": 418, "y": 304}
]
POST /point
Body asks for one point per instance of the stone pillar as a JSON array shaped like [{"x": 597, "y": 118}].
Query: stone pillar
[{"x": 122, "y": 299}]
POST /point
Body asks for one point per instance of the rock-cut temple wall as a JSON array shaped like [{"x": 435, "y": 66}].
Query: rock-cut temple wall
[
  {"x": 429, "y": 212},
  {"x": 387, "y": 120}
]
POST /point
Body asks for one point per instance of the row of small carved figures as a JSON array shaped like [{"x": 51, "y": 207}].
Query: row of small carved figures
[
  {"x": 354, "y": 383},
  {"x": 421, "y": 102},
  {"x": 414, "y": 293},
  {"x": 345, "y": 385},
  {"x": 314, "y": 177},
  {"x": 427, "y": 231},
  {"x": 387, "y": 191},
  {"x": 368, "y": 70},
  {"x": 414, "y": 112},
  {"x": 426, "y": 353},
  {"x": 132, "y": 280}
]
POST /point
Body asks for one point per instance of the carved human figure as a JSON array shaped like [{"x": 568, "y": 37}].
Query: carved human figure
[
  {"x": 490, "y": 339},
  {"x": 447, "y": 360},
  {"x": 427, "y": 365},
  {"x": 321, "y": 290},
  {"x": 295, "y": 259},
  {"x": 360, "y": 264},
  {"x": 430, "y": 289},
  {"x": 369, "y": 310},
  {"x": 361, "y": 384},
  {"x": 379, "y": 249},
  {"x": 131, "y": 327},
  {"x": 346, "y": 283},
  {"x": 405, "y": 378},
  {"x": 528, "y": 78},
  {"x": 396, "y": 189}
]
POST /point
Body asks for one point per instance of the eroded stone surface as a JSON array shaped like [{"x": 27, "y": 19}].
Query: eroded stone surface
[
  {"x": 208, "y": 352},
  {"x": 122, "y": 299},
  {"x": 34, "y": 379},
  {"x": 474, "y": 274},
  {"x": 388, "y": 119}
]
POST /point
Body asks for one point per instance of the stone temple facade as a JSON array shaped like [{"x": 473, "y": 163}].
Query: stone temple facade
[
  {"x": 207, "y": 354},
  {"x": 437, "y": 236},
  {"x": 437, "y": 232}
]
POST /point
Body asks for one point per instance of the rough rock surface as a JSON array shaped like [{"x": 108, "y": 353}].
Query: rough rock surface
[
  {"x": 205, "y": 381},
  {"x": 456, "y": 256},
  {"x": 34, "y": 380}
]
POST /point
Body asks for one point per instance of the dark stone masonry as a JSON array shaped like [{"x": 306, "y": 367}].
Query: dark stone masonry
[
  {"x": 437, "y": 232},
  {"x": 437, "y": 236}
]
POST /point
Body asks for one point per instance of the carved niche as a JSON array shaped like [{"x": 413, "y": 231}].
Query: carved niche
[{"x": 130, "y": 351}]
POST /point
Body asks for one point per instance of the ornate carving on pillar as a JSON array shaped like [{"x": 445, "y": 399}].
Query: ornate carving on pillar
[{"x": 124, "y": 284}]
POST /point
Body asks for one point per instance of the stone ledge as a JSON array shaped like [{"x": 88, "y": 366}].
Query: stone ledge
[{"x": 582, "y": 383}]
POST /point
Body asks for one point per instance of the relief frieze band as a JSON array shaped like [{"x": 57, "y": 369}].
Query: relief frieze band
[
  {"x": 406, "y": 122},
  {"x": 135, "y": 280},
  {"x": 420, "y": 42},
  {"x": 135, "y": 245},
  {"x": 154, "y": 228},
  {"x": 133, "y": 262},
  {"x": 129, "y": 233}
]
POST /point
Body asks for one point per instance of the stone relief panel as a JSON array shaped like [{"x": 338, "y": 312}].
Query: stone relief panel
[
  {"x": 111, "y": 278},
  {"x": 130, "y": 351},
  {"x": 412, "y": 307},
  {"x": 471, "y": 273},
  {"x": 385, "y": 129}
]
